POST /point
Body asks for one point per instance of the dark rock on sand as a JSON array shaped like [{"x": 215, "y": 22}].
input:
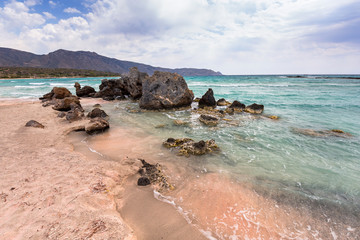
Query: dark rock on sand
[
  {"x": 97, "y": 112},
  {"x": 164, "y": 90},
  {"x": 66, "y": 104},
  {"x": 75, "y": 114},
  {"x": 208, "y": 120},
  {"x": 33, "y": 123},
  {"x": 154, "y": 174},
  {"x": 254, "y": 108},
  {"x": 96, "y": 125},
  {"x": 56, "y": 93},
  {"x": 187, "y": 146},
  {"x": 143, "y": 181},
  {"x": 207, "y": 99},
  {"x": 222, "y": 102},
  {"x": 85, "y": 91}
]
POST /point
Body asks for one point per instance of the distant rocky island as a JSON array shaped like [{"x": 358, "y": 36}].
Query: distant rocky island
[{"x": 86, "y": 61}]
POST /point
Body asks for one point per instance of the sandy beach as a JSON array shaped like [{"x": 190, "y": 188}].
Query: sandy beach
[{"x": 50, "y": 191}]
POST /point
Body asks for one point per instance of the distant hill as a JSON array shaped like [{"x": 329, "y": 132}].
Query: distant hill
[
  {"x": 85, "y": 60},
  {"x": 30, "y": 72}
]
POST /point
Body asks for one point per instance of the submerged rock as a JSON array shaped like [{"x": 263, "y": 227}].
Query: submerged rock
[
  {"x": 254, "y": 108},
  {"x": 207, "y": 100},
  {"x": 96, "y": 125},
  {"x": 209, "y": 120},
  {"x": 187, "y": 146},
  {"x": 33, "y": 123},
  {"x": 164, "y": 90},
  {"x": 322, "y": 133},
  {"x": 85, "y": 91},
  {"x": 178, "y": 122}
]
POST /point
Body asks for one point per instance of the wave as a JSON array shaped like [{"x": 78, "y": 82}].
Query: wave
[
  {"x": 37, "y": 83},
  {"x": 32, "y": 87}
]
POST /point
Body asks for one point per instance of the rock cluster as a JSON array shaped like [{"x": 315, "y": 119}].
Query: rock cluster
[
  {"x": 70, "y": 107},
  {"x": 187, "y": 146},
  {"x": 153, "y": 174},
  {"x": 164, "y": 90}
]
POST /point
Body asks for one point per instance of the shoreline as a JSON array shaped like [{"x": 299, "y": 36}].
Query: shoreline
[{"x": 51, "y": 189}]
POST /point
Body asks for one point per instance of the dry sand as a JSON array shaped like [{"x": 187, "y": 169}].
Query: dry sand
[{"x": 50, "y": 191}]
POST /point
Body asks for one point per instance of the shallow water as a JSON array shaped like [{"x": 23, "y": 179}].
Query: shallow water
[{"x": 268, "y": 181}]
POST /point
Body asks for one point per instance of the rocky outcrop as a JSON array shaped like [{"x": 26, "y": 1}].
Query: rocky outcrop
[
  {"x": 33, "y": 123},
  {"x": 85, "y": 91},
  {"x": 66, "y": 104},
  {"x": 207, "y": 100},
  {"x": 97, "y": 112},
  {"x": 209, "y": 120},
  {"x": 153, "y": 174},
  {"x": 187, "y": 146},
  {"x": 96, "y": 125},
  {"x": 129, "y": 84},
  {"x": 56, "y": 93},
  {"x": 254, "y": 108},
  {"x": 164, "y": 90},
  {"x": 222, "y": 102}
]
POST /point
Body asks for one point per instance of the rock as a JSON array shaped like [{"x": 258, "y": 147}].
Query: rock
[
  {"x": 197, "y": 99},
  {"x": 96, "y": 125},
  {"x": 222, "y": 102},
  {"x": 254, "y": 108},
  {"x": 209, "y": 120},
  {"x": 129, "y": 84},
  {"x": 322, "y": 133},
  {"x": 66, "y": 103},
  {"x": 97, "y": 112},
  {"x": 237, "y": 106},
  {"x": 207, "y": 99},
  {"x": 74, "y": 115},
  {"x": 143, "y": 181},
  {"x": 153, "y": 174},
  {"x": 164, "y": 90},
  {"x": 85, "y": 91},
  {"x": 57, "y": 93},
  {"x": 97, "y": 105},
  {"x": 210, "y": 111},
  {"x": 33, "y": 123},
  {"x": 180, "y": 123},
  {"x": 187, "y": 146},
  {"x": 61, "y": 114}
]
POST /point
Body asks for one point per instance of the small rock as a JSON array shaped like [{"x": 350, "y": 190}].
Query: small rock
[
  {"x": 61, "y": 114},
  {"x": 96, "y": 125},
  {"x": 237, "y": 106},
  {"x": 33, "y": 123},
  {"x": 143, "y": 181},
  {"x": 207, "y": 99},
  {"x": 74, "y": 115},
  {"x": 222, "y": 102},
  {"x": 97, "y": 106},
  {"x": 209, "y": 120},
  {"x": 254, "y": 108},
  {"x": 180, "y": 122},
  {"x": 97, "y": 112}
]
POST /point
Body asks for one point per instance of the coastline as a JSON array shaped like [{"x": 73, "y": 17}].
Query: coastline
[
  {"x": 59, "y": 77},
  {"x": 50, "y": 189}
]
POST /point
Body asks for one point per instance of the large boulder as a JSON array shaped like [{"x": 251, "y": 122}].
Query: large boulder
[
  {"x": 129, "y": 84},
  {"x": 164, "y": 90},
  {"x": 207, "y": 100},
  {"x": 96, "y": 125},
  {"x": 66, "y": 104},
  {"x": 85, "y": 91},
  {"x": 56, "y": 93}
]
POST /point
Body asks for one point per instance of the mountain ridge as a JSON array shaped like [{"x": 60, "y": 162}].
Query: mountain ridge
[{"x": 86, "y": 60}]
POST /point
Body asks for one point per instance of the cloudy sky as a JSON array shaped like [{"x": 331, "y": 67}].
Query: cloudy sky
[{"x": 231, "y": 36}]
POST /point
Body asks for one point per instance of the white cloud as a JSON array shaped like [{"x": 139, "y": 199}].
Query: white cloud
[
  {"x": 71, "y": 10},
  {"x": 233, "y": 36},
  {"x": 49, "y": 15},
  {"x": 52, "y": 3}
]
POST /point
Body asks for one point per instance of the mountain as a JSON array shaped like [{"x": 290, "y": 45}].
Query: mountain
[{"x": 86, "y": 60}]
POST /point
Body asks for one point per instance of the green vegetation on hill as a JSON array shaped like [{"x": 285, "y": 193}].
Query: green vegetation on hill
[{"x": 29, "y": 72}]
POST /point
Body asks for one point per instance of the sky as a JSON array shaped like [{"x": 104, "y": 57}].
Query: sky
[{"x": 230, "y": 36}]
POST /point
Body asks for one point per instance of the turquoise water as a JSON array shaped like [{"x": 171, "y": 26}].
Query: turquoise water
[{"x": 316, "y": 172}]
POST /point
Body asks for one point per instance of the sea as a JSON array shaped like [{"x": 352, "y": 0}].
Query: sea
[{"x": 286, "y": 177}]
